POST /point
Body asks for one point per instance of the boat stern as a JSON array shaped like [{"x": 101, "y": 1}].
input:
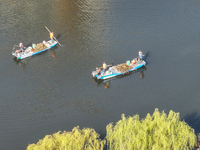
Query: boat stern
[
  {"x": 50, "y": 43},
  {"x": 17, "y": 54},
  {"x": 95, "y": 74},
  {"x": 102, "y": 75}
]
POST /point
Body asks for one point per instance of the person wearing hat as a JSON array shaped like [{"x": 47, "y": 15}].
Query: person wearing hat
[
  {"x": 21, "y": 47},
  {"x": 104, "y": 67},
  {"x": 51, "y": 36},
  {"x": 140, "y": 55}
]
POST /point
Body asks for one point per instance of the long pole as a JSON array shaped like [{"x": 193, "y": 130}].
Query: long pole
[{"x": 53, "y": 37}]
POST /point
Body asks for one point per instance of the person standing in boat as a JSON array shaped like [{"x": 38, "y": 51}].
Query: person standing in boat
[
  {"x": 21, "y": 47},
  {"x": 51, "y": 36},
  {"x": 104, "y": 67},
  {"x": 140, "y": 55}
]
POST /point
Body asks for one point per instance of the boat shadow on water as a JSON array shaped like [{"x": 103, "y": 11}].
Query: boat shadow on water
[{"x": 107, "y": 82}]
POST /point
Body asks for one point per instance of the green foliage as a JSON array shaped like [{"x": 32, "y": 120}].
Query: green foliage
[
  {"x": 158, "y": 131},
  {"x": 86, "y": 139}
]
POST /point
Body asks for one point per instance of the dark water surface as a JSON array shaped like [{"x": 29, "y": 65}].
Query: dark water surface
[{"x": 55, "y": 91}]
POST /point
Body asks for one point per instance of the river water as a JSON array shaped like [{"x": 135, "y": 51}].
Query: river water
[{"x": 54, "y": 91}]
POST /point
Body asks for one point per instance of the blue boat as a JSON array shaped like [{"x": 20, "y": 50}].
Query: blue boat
[
  {"x": 121, "y": 69},
  {"x": 30, "y": 51}
]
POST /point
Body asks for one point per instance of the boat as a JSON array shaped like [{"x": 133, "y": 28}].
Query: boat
[
  {"x": 120, "y": 69},
  {"x": 107, "y": 82},
  {"x": 34, "y": 49}
]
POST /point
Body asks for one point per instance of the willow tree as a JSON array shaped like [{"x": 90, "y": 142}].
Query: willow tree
[
  {"x": 85, "y": 139},
  {"x": 158, "y": 131}
]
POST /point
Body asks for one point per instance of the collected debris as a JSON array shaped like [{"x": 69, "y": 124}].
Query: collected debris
[
  {"x": 39, "y": 47},
  {"x": 122, "y": 67}
]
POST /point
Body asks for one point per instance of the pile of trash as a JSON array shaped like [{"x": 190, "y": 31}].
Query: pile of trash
[
  {"x": 122, "y": 67},
  {"x": 39, "y": 47}
]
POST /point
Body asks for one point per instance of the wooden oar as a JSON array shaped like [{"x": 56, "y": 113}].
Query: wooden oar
[
  {"x": 15, "y": 46},
  {"x": 54, "y": 36}
]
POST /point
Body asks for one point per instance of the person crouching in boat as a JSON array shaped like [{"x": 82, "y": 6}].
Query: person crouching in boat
[
  {"x": 98, "y": 70},
  {"x": 134, "y": 61},
  {"x": 21, "y": 47},
  {"x": 51, "y": 36}
]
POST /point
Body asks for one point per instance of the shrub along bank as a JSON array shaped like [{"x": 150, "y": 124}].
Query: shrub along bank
[{"x": 159, "y": 131}]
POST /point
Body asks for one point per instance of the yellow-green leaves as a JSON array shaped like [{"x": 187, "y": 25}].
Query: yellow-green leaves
[
  {"x": 85, "y": 139},
  {"x": 158, "y": 131}
]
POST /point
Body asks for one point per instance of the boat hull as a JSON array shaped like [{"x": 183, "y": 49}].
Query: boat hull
[
  {"x": 113, "y": 73},
  {"x": 28, "y": 52}
]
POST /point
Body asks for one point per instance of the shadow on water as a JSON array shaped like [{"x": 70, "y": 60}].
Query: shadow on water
[
  {"x": 58, "y": 36},
  {"x": 145, "y": 57},
  {"x": 107, "y": 83},
  {"x": 193, "y": 120}
]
